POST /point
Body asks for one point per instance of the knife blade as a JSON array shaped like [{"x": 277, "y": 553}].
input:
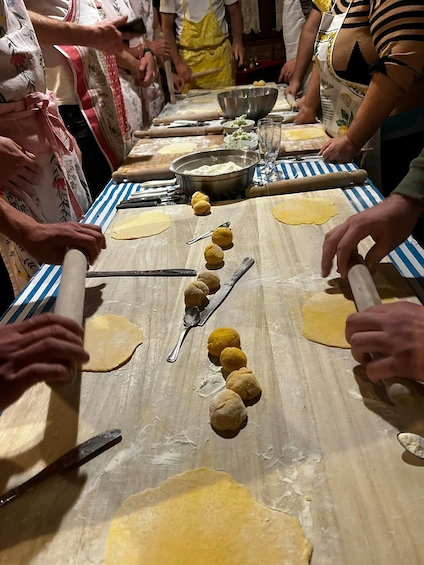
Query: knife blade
[
  {"x": 219, "y": 297},
  {"x": 154, "y": 273},
  {"x": 74, "y": 458}
]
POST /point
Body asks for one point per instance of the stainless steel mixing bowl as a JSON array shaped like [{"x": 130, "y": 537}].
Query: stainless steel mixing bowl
[
  {"x": 217, "y": 187},
  {"x": 255, "y": 102}
]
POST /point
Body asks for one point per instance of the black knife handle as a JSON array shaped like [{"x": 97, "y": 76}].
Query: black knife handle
[{"x": 73, "y": 458}]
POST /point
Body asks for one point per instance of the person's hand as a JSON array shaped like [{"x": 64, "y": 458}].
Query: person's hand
[
  {"x": 305, "y": 115},
  {"x": 147, "y": 69},
  {"x": 237, "y": 53},
  {"x": 293, "y": 88},
  {"x": 160, "y": 47},
  {"x": 389, "y": 223},
  {"x": 287, "y": 71},
  {"x": 105, "y": 37},
  {"x": 48, "y": 243},
  {"x": 178, "y": 82},
  {"x": 40, "y": 349},
  {"x": 396, "y": 332},
  {"x": 19, "y": 171},
  {"x": 338, "y": 150},
  {"x": 184, "y": 72}
]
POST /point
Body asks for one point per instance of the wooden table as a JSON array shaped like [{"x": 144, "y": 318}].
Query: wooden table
[{"x": 320, "y": 444}]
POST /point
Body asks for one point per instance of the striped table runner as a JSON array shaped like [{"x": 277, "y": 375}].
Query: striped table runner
[{"x": 40, "y": 293}]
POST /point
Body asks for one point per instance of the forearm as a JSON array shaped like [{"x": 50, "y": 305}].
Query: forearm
[
  {"x": 412, "y": 185},
  {"x": 312, "y": 97},
  {"x": 168, "y": 31},
  {"x": 375, "y": 108},
  {"x": 126, "y": 60},
  {"x": 14, "y": 224},
  {"x": 52, "y": 31},
  {"x": 304, "y": 55},
  {"x": 236, "y": 23}
]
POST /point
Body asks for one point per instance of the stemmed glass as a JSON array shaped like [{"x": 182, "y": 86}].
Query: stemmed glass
[{"x": 269, "y": 137}]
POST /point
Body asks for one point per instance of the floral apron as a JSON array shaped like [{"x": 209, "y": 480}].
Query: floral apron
[
  {"x": 98, "y": 88},
  {"x": 29, "y": 116},
  {"x": 340, "y": 99},
  {"x": 203, "y": 46}
]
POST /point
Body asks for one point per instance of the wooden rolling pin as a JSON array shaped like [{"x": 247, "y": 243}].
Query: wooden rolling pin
[
  {"x": 71, "y": 294},
  {"x": 400, "y": 391},
  {"x": 177, "y": 132},
  {"x": 340, "y": 179},
  {"x": 168, "y": 74},
  {"x": 291, "y": 101},
  {"x": 213, "y": 71},
  {"x": 199, "y": 117},
  {"x": 142, "y": 175}
]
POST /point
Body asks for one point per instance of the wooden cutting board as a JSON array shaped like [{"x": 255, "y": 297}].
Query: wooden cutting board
[
  {"x": 144, "y": 161},
  {"x": 290, "y": 145},
  {"x": 320, "y": 443}
]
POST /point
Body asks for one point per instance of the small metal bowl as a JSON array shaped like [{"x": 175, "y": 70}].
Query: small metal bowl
[
  {"x": 217, "y": 187},
  {"x": 255, "y": 102}
]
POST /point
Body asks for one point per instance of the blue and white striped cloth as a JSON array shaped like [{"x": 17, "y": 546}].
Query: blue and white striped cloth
[{"x": 40, "y": 293}]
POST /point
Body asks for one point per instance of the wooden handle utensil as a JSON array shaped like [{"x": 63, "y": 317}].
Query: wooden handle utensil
[
  {"x": 177, "y": 132},
  {"x": 291, "y": 101},
  {"x": 207, "y": 72},
  {"x": 305, "y": 184},
  {"x": 199, "y": 117},
  {"x": 142, "y": 175},
  {"x": 400, "y": 391},
  {"x": 168, "y": 74}
]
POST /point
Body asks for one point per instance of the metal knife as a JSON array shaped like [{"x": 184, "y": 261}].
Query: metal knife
[
  {"x": 219, "y": 297},
  {"x": 154, "y": 273},
  {"x": 70, "y": 460}
]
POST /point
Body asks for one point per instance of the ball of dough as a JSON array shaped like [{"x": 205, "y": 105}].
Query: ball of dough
[
  {"x": 197, "y": 196},
  {"x": 244, "y": 383},
  {"x": 227, "y": 411},
  {"x": 202, "y": 208},
  {"x": 210, "y": 279},
  {"x": 196, "y": 294},
  {"x": 221, "y": 338},
  {"x": 232, "y": 358},
  {"x": 213, "y": 254},
  {"x": 222, "y": 237}
]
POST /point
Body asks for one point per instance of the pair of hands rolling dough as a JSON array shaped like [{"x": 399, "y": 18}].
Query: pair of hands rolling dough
[{"x": 396, "y": 331}]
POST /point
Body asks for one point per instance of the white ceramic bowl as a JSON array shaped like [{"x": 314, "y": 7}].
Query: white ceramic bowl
[
  {"x": 251, "y": 143},
  {"x": 230, "y": 128}
]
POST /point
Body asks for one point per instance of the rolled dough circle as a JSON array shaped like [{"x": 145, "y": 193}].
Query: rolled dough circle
[
  {"x": 303, "y": 133},
  {"x": 174, "y": 148},
  {"x": 143, "y": 225},
  {"x": 110, "y": 340},
  {"x": 297, "y": 211},
  {"x": 203, "y": 517},
  {"x": 324, "y": 319}
]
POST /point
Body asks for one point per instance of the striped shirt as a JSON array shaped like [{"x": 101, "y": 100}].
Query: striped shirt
[{"x": 383, "y": 39}]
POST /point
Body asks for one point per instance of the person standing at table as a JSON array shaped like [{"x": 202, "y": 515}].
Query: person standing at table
[
  {"x": 396, "y": 331},
  {"x": 300, "y": 75},
  {"x": 55, "y": 189},
  {"x": 369, "y": 74},
  {"x": 86, "y": 82},
  {"x": 295, "y": 14},
  {"x": 201, "y": 41}
]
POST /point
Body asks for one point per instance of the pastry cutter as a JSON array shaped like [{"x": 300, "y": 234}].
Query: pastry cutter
[
  {"x": 400, "y": 391},
  {"x": 70, "y": 460}
]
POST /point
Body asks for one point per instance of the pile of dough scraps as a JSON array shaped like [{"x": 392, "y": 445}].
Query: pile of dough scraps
[{"x": 227, "y": 409}]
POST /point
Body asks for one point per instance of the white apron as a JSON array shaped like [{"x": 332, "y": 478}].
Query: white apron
[{"x": 340, "y": 99}]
